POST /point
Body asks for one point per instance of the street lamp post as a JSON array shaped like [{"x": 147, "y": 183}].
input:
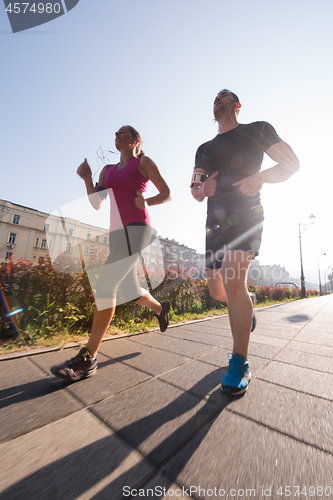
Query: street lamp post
[
  {"x": 320, "y": 288},
  {"x": 303, "y": 289},
  {"x": 329, "y": 286}
]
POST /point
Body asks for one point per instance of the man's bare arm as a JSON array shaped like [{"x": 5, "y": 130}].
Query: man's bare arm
[{"x": 287, "y": 165}]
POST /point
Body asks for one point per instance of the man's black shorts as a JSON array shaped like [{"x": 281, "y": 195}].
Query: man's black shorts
[{"x": 235, "y": 230}]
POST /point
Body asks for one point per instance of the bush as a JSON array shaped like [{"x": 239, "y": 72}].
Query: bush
[{"x": 52, "y": 301}]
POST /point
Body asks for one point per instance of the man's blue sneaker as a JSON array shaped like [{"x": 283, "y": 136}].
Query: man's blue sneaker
[
  {"x": 236, "y": 380},
  {"x": 254, "y": 300}
]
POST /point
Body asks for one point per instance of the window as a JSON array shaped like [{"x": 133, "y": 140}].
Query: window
[
  {"x": 50, "y": 245},
  {"x": 46, "y": 227},
  {"x": 88, "y": 236},
  {"x": 8, "y": 255},
  {"x": 105, "y": 240},
  {"x": 16, "y": 219},
  {"x": 86, "y": 251},
  {"x": 12, "y": 238},
  {"x": 68, "y": 248},
  {"x": 97, "y": 239},
  {"x": 70, "y": 232},
  {"x": 36, "y": 242},
  {"x": 43, "y": 245}
]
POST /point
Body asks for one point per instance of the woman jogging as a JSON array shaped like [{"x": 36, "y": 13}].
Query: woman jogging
[{"x": 130, "y": 233}]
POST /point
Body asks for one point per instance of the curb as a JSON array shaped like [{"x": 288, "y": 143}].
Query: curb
[{"x": 45, "y": 350}]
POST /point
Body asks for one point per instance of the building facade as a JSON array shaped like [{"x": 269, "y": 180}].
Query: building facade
[
  {"x": 32, "y": 235},
  {"x": 267, "y": 274},
  {"x": 180, "y": 256}
]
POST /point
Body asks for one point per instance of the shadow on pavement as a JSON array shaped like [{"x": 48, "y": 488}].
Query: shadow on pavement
[
  {"x": 40, "y": 388},
  {"x": 75, "y": 474},
  {"x": 298, "y": 318}
]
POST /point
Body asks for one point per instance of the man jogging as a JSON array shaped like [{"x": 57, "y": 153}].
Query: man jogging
[{"x": 227, "y": 172}]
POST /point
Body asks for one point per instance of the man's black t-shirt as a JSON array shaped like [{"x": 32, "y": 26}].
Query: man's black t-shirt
[{"x": 235, "y": 155}]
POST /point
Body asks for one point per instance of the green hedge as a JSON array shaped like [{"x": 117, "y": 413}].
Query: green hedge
[{"x": 51, "y": 301}]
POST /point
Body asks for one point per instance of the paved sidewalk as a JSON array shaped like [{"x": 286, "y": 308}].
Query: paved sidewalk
[{"x": 153, "y": 423}]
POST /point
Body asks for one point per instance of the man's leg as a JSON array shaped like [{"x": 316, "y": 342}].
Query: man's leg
[
  {"x": 234, "y": 270},
  {"x": 215, "y": 285},
  {"x": 228, "y": 284}
]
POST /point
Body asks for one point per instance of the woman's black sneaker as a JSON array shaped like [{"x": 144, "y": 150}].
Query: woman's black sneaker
[
  {"x": 163, "y": 317},
  {"x": 83, "y": 365}
]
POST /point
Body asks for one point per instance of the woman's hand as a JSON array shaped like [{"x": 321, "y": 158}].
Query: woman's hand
[
  {"x": 140, "y": 201},
  {"x": 84, "y": 170}
]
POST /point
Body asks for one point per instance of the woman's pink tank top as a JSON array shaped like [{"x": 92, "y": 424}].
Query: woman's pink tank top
[{"x": 123, "y": 185}]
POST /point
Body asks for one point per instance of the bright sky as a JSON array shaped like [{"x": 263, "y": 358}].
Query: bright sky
[{"x": 67, "y": 85}]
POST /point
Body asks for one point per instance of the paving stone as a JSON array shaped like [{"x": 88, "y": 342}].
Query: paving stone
[
  {"x": 205, "y": 326},
  {"x": 187, "y": 348},
  {"x": 265, "y": 339},
  {"x": 111, "y": 377},
  {"x": 153, "y": 339},
  {"x": 157, "y": 361},
  {"x": 205, "y": 381},
  {"x": 155, "y": 418},
  {"x": 109, "y": 380},
  {"x": 201, "y": 378},
  {"x": 28, "y": 400},
  {"x": 218, "y": 357},
  {"x": 203, "y": 337},
  {"x": 213, "y": 325},
  {"x": 320, "y": 350},
  {"x": 279, "y": 433},
  {"x": 316, "y": 336},
  {"x": 301, "y": 379},
  {"x": 262, "y": 350},
  {"x": 305, "y": 359},
  {"x": 123, "y": 349},
  {"x": 288, "y": 412},
  {"x": 15, "y": 372},
  {"x": 284, "y": 331},
  {"x": 75, "y": 457},
  {"x": 247, "y": 456},
  {"x": 267, "y": 317}
]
